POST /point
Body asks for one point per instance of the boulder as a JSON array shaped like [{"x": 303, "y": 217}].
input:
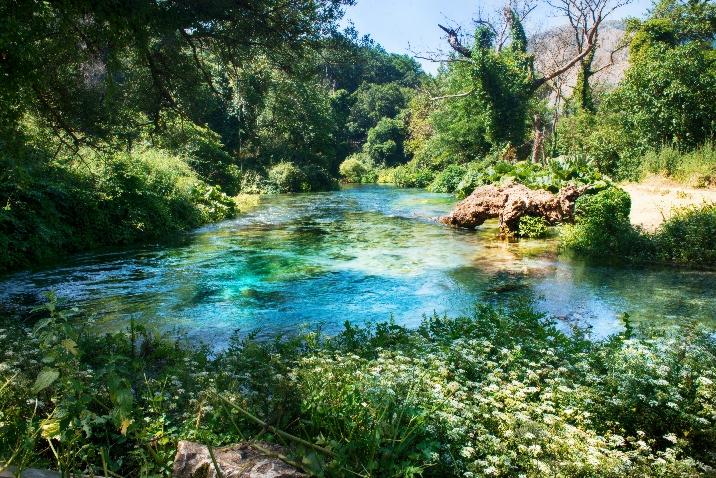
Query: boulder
[
  {"x": 510, "y": 202},
  {"x": 243, "y": 460}
]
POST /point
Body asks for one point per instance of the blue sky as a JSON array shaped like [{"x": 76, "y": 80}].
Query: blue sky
[{"x": 405, "y": 25}]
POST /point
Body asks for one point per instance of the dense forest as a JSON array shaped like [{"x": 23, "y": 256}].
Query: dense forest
[
  {"x": 125, "y": 126},
  {"x": 130, "y": 123}
]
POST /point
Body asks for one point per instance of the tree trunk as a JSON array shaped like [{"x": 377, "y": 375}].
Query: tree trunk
[{"x": 538, "y": 142}]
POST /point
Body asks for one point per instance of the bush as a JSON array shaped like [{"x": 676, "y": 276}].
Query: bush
[
  {"x": 319, "y": 179},
  {"x": 688, "y": 237},
  {"x": 447, "y": 180},
  {"x": 288, "y": 178},
  {"x": 384, "y": 145},
  {"x": 602, "y": 228},
  {"x": 95, "y": 199},
  {"x": 532, "y": 227},
  {"x": 357, "y": 168},
  {"x": 406, "y": 176},
  {"x": 501, "y": 392},
  {"x": 602, "y": 231}
]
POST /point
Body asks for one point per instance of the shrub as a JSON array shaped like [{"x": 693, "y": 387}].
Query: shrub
[
  {"x": 406, "y": 176},
  {"x": 447, "y": 180},
  {"x": 288, "y": 178},
  {"x": 319, "y": 179},
  {"x": 96, "y": 199},
  {"x": 695, "y": 168},
  {"x": 688, "y": 237},
  {"x": 602, "y": 228},
  {"x": 385, "y": 141},
  {"x": 357, "y": 169},
  {"x": 532, "y": 227}
]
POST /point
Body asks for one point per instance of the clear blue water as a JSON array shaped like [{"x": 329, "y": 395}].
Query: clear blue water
[{"x": 360, "y": 254}]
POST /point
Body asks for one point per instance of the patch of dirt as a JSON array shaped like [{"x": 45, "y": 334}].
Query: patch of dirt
[{"x": 655, "y": 200}]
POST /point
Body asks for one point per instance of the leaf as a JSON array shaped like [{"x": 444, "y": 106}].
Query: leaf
[
  {"x": 45, "y": 378},
  {"x": 70, "y": 345},
  {"x": 125, "y": 425}
]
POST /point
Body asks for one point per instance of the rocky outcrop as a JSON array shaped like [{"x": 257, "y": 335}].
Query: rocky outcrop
[
  {"x": 510, "y": 202},
  {"x": 243, "y": 460}
]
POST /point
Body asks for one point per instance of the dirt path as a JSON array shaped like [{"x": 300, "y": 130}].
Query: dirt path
[{"x": 654, "y": 200}]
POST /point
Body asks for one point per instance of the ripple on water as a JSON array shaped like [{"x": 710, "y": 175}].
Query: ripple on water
[{"x": 360, "y": 254}]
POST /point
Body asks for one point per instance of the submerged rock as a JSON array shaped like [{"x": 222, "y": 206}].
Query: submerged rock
[
  {"x": 242, "y": 460},
  {"x": 510, "y": 202}
]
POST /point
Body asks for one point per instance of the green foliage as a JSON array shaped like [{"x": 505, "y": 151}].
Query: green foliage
[
  {"x": 99, "y": 199},
  {"x": 695, "y": 168},
  {"x": 603, "y": 139},
  {"x": 371, "y": 103},
  {"x": 379, "y": 401},
  {"x": 557, "y": 173},
  {"x": 533, "y": 227},
  {"x": 668, "y": 94},
  {"x": 289, "y": 178},
  {"x": 602, "y": 228},
  {"x": 406, "y": 176},
  {"x": 447, "y": 180},
  {"x": 357, "y": 168},
  {"x": 603, "y": 231},
  {"x": 688, "y": 237},
  {"x": 384, "y": 145}
]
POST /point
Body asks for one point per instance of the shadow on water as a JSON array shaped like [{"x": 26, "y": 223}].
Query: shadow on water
[{"x": 360, "y": 254}]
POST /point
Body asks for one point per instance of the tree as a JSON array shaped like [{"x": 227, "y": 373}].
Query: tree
[
  {"x": 669, "y": 92},
  {"x": 385, "y": 142},
  {"x": 96, "y": 71},
  {"x": 518, "y": 82},
  {"x": 371, "y": 103}
]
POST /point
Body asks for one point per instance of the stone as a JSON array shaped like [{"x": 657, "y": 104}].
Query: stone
[
  {"x": 510, "y": 202},
  {"x": 242, "y": 460}
]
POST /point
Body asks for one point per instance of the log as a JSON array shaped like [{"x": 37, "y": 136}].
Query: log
[{"x": 508, "y": 203}]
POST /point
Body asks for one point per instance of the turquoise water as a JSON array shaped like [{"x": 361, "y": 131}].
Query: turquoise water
[{"x": 360, "y": 254}]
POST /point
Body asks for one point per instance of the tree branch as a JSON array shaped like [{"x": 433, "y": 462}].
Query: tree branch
[{"x": 454, "y": 42}]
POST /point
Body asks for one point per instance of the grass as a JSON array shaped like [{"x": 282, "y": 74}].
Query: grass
[
  {"x": 499, "y": 392},
  {"x": 695, "y": 168}
]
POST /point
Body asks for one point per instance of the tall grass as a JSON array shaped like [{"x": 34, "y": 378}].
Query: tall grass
[{"x": 695, "y": 168}]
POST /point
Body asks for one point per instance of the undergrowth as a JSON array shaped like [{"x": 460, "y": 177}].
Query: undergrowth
[{"x": 501, "y": 392}]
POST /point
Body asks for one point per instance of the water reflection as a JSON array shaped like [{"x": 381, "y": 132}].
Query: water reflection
[{"x": 360, "y": 254}]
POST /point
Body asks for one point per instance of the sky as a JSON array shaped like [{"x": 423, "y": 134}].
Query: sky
[{"x": 410, "y": 26}]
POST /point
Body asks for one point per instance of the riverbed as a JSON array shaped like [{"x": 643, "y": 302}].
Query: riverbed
[{"x": 362, "y": 254}]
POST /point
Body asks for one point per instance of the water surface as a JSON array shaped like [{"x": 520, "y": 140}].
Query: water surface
[{"x": 361, "y": 254}]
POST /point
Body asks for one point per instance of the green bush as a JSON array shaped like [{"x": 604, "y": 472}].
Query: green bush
[
  {"x": 95, "y": 199},
  {"x": 602, "y": 228},
  {"x": 319, "y": 179},
  {"x": 357, "y": 168},
  {"x": 532, "y": 227},
  {"x": 288, "y": 178},
  {"x": 602, "y": 231},
  {"x": 384, "y": 145},
  {"x": 501, "y": 392},
  {"x": 688, "y": 237},
  {"x": 406, "y": 176},
  {"x": 447, "y": 180}
]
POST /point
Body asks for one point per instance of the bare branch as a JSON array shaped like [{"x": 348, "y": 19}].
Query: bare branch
[{"x": 454, "y": 42}]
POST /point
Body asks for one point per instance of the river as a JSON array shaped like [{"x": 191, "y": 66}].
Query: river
[{"x": 362, "y": 254}]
